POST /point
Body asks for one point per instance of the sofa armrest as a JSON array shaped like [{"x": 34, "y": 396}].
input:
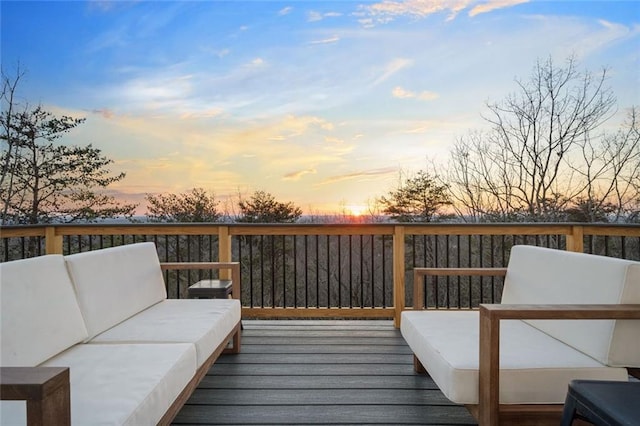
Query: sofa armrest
[
  {"x": 418, "y": 283},
  {"x": 45, "y": 389},
  {"x": 490, "y": 317},
  {"x": 233, "y": 266}
]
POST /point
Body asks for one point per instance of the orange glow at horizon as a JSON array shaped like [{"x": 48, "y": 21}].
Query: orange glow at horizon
[{"x": 356, "y": 210}]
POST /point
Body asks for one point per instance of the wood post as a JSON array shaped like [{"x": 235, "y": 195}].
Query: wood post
[
  {"x": 419, "y": 281},
  {"x": 489, "y": 371},
  {"x": 575, "y": 240},
  {"x": 53, "y": 242},
  {"x": 224, "y": 251},
  {"x": 398, "y": 273}
]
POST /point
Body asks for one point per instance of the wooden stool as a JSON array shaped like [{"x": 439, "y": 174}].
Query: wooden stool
[{"x": 602, "y": 402}]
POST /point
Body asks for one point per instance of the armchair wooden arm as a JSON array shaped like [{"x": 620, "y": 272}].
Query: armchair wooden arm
[
  {"x": 418, "y": 283},
  {"x": 490, "y": 316},
  {"x": 233, "y": 266},
  {"x": 45, "y": 389}
]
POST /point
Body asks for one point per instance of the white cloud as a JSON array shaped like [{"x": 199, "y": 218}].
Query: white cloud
[
  {"x": 493, "y": 5},
  {"x": 296, "y": 175},
  {"x": 361, "y": 175},
  {"x": 366, "y": 22},
  {"x": 399, "y": 92},
  {"x": 388, "y": 10},
  {"x": 402, "y": 93},
  {"x": 164, "y": 90},
  {"x": 329, "y": 40},
  {"x": 315, "y": 16},
  {"x": 257, "y": 62},
  {"x": 392, "y": 68},
  {"x": 285, "y": 11}
]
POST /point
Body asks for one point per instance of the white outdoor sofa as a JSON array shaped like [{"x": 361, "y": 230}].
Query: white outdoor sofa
[
  {"x": 107, "y": 344},
  {"x": 509, "y": 364}
]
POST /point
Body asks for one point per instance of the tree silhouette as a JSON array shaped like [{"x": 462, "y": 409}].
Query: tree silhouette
[
  {"x": 262, "y": 207},
  {"x": 418, "y": 199},
  {"x": 45, "y": 181},
  {"x": 196, "y": 205},
  {"x": 543, "y": 151}
]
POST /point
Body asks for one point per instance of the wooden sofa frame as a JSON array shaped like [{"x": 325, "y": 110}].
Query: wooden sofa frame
[
  {"x": 489, "y": 412},
  {"x": 47, "y": 390}
]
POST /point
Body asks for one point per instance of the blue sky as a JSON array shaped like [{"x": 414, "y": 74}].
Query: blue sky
[{"x": 322, "y": 103}]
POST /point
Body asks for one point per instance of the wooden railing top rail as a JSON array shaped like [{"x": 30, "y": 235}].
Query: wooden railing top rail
[
  {"x": 630, "y": 230},
  {"x": 318, "y": 229}
]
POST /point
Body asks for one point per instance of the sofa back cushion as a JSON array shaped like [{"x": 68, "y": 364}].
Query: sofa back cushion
[
  {"x": 116, "y": 283},
  {"x": 40, "y": 314},
  {"x": 538, "y": 275}
]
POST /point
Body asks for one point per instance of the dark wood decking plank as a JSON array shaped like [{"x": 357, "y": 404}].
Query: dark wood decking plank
[
  {"x": 344, "y": 340},
  {"x": 320, "y": 333},
  {"x": 317, "y": 358},
  {"x": 324, "y": 414},
  {"x": 295, "y": 348},
  {"x": 319, "y": 397},
  {"x": 311, "y": 369},
  {"x": 414, "y": 382}
]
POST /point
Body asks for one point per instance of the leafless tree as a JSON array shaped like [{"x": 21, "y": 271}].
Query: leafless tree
[
  {"x": 544, "y": 152},
  {"x": 8, "y": 137},
  {"x": 609, "y": 169}
]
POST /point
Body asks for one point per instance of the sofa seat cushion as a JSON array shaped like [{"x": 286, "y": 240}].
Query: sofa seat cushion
[
  {"x": 115, "y": 283},
  {"x": 125, "y": 384},
  {"x": 118, "y": 384},
  {"x": 535, "y": 368},
  {"x": 203, "y": 322},
  {"x": 40, "y": 313}
]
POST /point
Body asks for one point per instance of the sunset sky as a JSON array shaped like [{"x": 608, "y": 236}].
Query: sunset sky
[{"x": 322, "y": 103}]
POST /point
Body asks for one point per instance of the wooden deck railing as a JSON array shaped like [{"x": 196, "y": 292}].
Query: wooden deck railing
[{"x": 322, "y": 271}]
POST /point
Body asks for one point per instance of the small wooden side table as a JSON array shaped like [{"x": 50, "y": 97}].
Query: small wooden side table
[{"x": 210, "y": 289}]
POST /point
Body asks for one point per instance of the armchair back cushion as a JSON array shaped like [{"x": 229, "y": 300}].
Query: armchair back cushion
[
  {"x": 40, "y": 314},
  {"x": 537, "y": 275},
  {"x": 116, "y": 283}
]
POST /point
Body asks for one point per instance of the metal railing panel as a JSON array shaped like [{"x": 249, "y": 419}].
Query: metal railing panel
[{"x": 332, "y": 270}]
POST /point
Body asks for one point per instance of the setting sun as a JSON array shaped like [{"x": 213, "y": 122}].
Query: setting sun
[{"x": 356, "y": 210}]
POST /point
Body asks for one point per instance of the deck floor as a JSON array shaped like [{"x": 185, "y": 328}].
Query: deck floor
[{"x": 319, "y": 372}]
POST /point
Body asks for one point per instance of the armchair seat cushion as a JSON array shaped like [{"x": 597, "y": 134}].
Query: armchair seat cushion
[
  {"x": 535, "y": 367},
  {"x": 202, "y": 322}
]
